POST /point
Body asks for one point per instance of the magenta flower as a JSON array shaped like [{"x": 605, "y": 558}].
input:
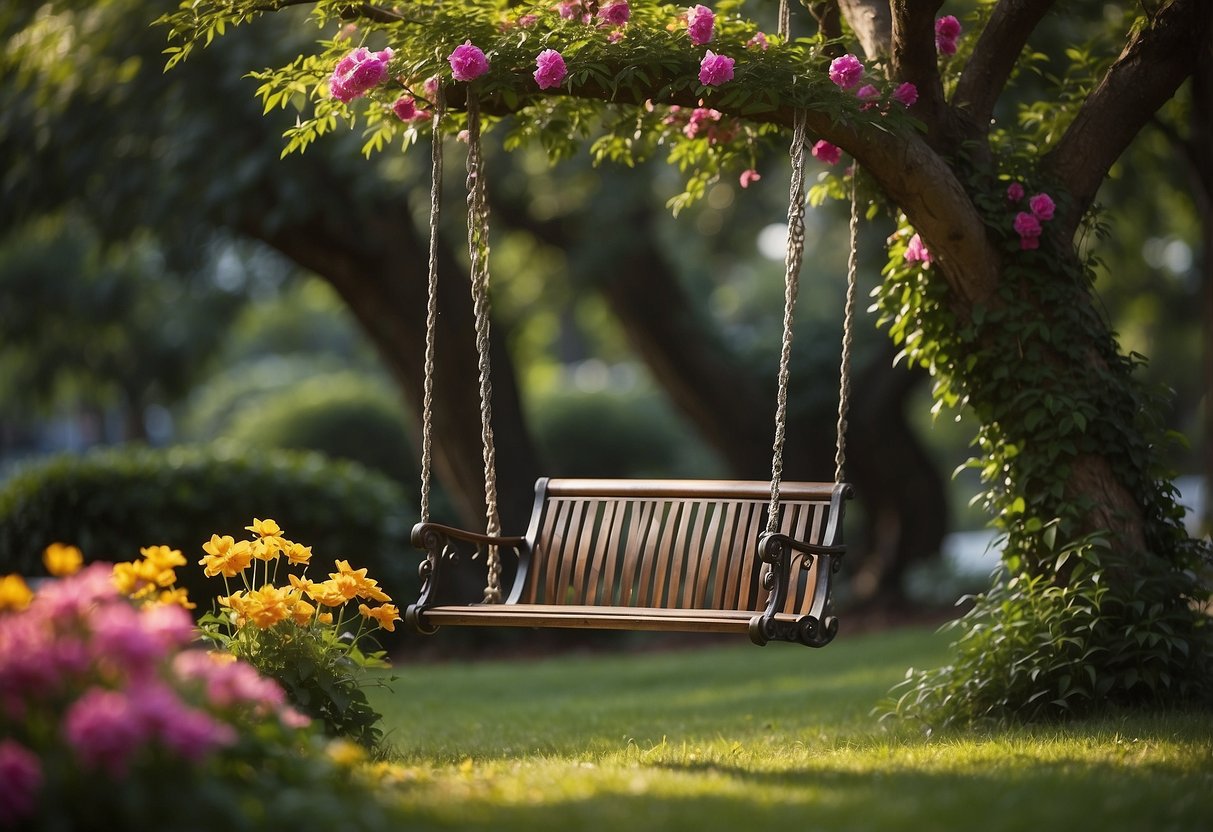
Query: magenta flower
[
  {"x": 358, "y": 72},
  {"x": 1042, "y": 207},
  {"x": 700, "y": 23},
  {"x": 748, "y": 177},
  {"x": 867, "y": 92},
  {"x": 528, "y": 20},
  {"x": 468, "y": 62},
  {"x": 405, "y": 108},
  {"x": 699, "y": 117},
  {"x": 916, "y": 252},
  {"x": 104, "y": 729},
  {"x": 947, "y": 30},
  {"x": 20, "y": 781},
  {"x": 615, "y": 12},
  {"x": 846, "y": 71},
  {"x": 759, "y": 41},
  {"x": 569, "y": 9},
  {"x": 715, "y": 69},
  {"x": 550, "y": 69},
  {"x": 1028, "y": 229},
  {"x": 1014, "y": 192},
  {"x": 831, "y": 154},
  {"x": 906, "y": 94}
]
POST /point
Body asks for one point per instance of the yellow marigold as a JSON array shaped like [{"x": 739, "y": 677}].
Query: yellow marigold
[
  {"x": 364, "y": 587},
  {"x": 15, "y": 594},
  {"x": 266, "y": 548},
  {"x": 265, "y": 528},
  {"x": 178, "y": 596},
  {"x": 386, "y": 615},
  {"x": 62, "y": 559},
  {"x": 301, "y": 611},
  {"x": 267, "y": 606},
  {"x": 297, "y": 553},
  {"x": 347, "y": 585},
  {"x": 225, "y": 556},
  {"x": 328, "y": 594},
  {"x": 137, "y": 579},
  {"x": 154, "y": 573},
  {"x": 163, "y": 556},
  {"x": 301, "y": 585},
  {"x": 238, "y": 604}
]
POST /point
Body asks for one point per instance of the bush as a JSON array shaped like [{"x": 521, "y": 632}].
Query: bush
[
  {"x": 112, "y": 502},
  {"x": 615, "y": 434}
]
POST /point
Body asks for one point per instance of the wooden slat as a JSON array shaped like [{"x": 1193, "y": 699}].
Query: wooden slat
[
  {"x": 581, "y": 616},
  {"x": 722, "y": 558},
  {"x": 703, "y": 550},
  {"x": 564, "y": 574},
  {"x": 749, "y": 565},
  {"x": 556, "y": 546},
  {"x": 678, "y": 555},
  {"x": 638, "y": 537},
  {"x": 659, "y": 557},
  {"x": 592, "y": 535},
  {"x": 690, "y": 489},
  {"x": 603, "y": 575}
]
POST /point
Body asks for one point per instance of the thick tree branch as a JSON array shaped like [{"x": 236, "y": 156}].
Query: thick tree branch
[
  {"x": 994, "y": 58},
  {"x": 915, "y": 58},
  {"x": 871, "y": 23},
  {"x": 1147, "y": 73}
]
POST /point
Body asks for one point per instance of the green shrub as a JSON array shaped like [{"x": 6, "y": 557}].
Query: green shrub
[
  {"x": 112, "y": 502},
  {"x": 617, "y": 434}
]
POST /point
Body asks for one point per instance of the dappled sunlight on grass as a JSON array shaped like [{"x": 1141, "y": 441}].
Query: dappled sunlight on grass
[{"x": 737, "y": 737}]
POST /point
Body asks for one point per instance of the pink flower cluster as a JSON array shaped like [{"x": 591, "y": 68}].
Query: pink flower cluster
[
  {"x": 117, "y": 681},
  {"x": 703, "y": 122},
  {"x": 468, "y": 62},
  {"x": 831, "y": 154},
  {"x": 701, "y": 23},
  {"x": 916, "y": 252},
  {"x": 406, "y": 109},
  {"x": 1027, "y": 224},
  {"x": 614, "y": 12},
  {"x": 550, "y": 69},
  {"x": 846, "y": 71},
  {"x": 947, "y": 32},
  {"x": 358, "y": 72},
  {"x": 715, "y": 70}
]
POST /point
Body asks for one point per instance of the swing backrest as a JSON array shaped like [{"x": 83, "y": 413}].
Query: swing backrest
[{"x": 671, "y": 544}]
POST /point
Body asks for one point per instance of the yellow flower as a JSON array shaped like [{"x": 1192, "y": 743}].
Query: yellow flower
[
  {"x": 386, "y": 615},
  {"x": 301, "y": 611},
  {"x": 62, "y": 559},
  {"x": 267, "y": 606},
  {"x": 297, "y": 553},
  {"x": 224, "y": 556},
  {"x": 140, "y": 579},
  {"x": 237, "y": 603},
  {"x": 328, "y": 593},
  {"x": 178, "y": 596},
  {"x": 163, "y": 556},
  {"x": 265, "y": 528},
  {"x": 345, "y": 753},
  {"x": 363, "y": 587},
  {"x": 302, "y": 585},
  {"x": 15, "y": 594},
  {"x": 325, "y": 618}
]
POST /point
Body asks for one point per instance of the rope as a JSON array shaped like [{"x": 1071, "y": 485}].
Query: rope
[
  {"x": 478, "y": 252},
  {"x": 792, "y": 262},
  {"x": 431, "y": 315},
  {"x": 785, "y": 20},
  {"x": 844, "y": 372}
]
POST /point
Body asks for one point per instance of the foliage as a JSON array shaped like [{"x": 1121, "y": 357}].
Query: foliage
[
  {"x": 307, "y": 647},
  {"x": 111, "y": 502},
  {"x": 111, "y": 721}
]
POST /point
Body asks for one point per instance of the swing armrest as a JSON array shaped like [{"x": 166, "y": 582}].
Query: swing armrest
[
  {"x": 428, "y": 531},
  {"x": 768, "y": 548}
]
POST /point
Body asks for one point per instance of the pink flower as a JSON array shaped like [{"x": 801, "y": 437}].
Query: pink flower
[
  {"x": 615, "y": 12},
  {"x": 906, "y": 94},
  {"x": 121, "y": 641},
  {"x": 947, "y": 30},
  {"x": 916, "y": 252},
  {"x": 1042, "y": 207},
  {"x": 615, "y": 36},
  {"x": 846, "y": 71},
  {"x": 831, "y": 154},
  {"x": 569, "y": 9},
  {"x": 715, "y": 69},
  {"x": 1028, "y": 229},
  {"x": 700, "y": 116},
  {"x": 867, "y": 92},
  {"x": 1014, "y": 192},
  {"x": 169, "y": 624},
  {"x": 20, "y": 781},
  {"x": 550, "y": 69},
  {"x": 104, "y": 729},
  {"x": 700, "y": 23},
  {"x": 748, "y": 177},
  {"x": 228, "y": 684},
  {"x": 358, "y": 72},
  {"x": 528, "y": 20},
  {"x": 431, "y": 86},
  {"x": 468, "y": 62},
  {"x": 759, "y": 41},
  {"x": 405, "y": 108}
]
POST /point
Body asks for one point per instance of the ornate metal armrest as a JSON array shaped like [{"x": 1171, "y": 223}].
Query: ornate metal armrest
[
  {"x": 814, "y": 629},
  {"x": 437, "y": 584},
  {"x": 423, "y": 533}
]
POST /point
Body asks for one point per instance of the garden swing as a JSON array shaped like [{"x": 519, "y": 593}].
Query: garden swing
[{"x": 700, "y": 556}]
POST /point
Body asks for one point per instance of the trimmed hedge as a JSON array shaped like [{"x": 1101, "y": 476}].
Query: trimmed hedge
[{"x": 113, "y": 501}]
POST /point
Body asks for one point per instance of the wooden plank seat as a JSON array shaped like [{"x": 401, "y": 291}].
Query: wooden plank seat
[{"x": 663, "y": 555}]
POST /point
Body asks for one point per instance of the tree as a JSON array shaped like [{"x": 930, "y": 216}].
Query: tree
[
  {"x": 137, "y": 149},
  {"x": 987, "y": 290}
]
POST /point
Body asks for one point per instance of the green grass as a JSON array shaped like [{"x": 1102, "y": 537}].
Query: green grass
[{"x": 741, "y": 738}]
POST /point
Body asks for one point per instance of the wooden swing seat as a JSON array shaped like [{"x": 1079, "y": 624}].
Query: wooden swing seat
[{"x": 661, "y": 555}]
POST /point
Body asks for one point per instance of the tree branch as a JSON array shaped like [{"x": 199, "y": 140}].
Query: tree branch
[
  {"x": 994, "y": 58},
  {"x": 1153, "y": 65},
  {"x": 871, "y": 23},
  {"x": 915, "y": 58}
]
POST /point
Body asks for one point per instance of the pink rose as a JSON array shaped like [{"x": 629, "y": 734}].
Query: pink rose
[
  {"x": 615, "y": 12},
  {"x": 831, "y": 154},
  {"x": 846, "y": 71},
  {"x": 867, "y": 92},
  {"x": 1028, "y": 229},
  {"x": 759, "y": 41},
  {"x": 700, "y": 23},
  {"x": 1042, "y": 207},
  {"x": 715, "y": 69},
  {"x": 1014, "y": 192},
  {"x": 468, "y": 62},
  {"x": 358, "y": 72},
  {"x": 947, "y": 30},
  {"x": 748, "y": 177},
  {"x": 405, "y": 109},
  {"x": 906, "y": 94},
  {"x": 20, "y": 781},
  {"x": 550, "y": 69}
]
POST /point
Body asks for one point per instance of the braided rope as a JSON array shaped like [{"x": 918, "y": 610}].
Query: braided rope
[
  {"x": 785, "y": 20},
  {"x": 478, "y": 252},
  {"x": 844, "y": 372},
  {"x": 792, "y": 262},
  {"x": 431, "y": 315}
]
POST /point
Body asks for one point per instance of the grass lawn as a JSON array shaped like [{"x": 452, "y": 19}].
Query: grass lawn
[{"x": 743, "y": 738}]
